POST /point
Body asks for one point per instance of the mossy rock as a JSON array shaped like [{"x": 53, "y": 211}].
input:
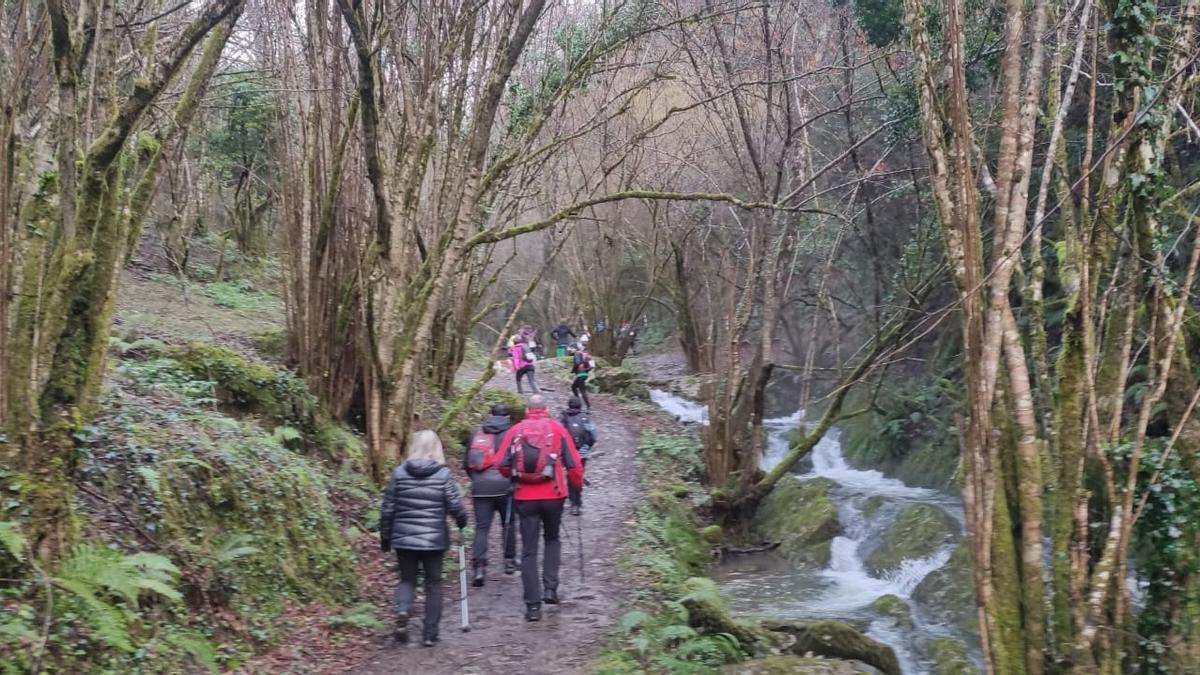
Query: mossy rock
[
  {"x": 871, "y": 506},
  {"x": 894, "y": 607},
  {"x": 948, "y": 593},
  {"x": 248, "y": 386},
  {"x": 713, "y": 534},
  {"x": 919, "y": 531},
  {"x": 621, "y": 382},
  {"x": 949, "y": 657},
  {"x": 801, "y": 516},
  {"x": 798, "y": 665},
  {"x": 707, "y": 612},
  {"x": 839, "y": 640}
]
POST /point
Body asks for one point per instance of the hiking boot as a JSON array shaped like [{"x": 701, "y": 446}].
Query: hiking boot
[
  {"x": 430, "y": 640},
  {"x": 480, "y": 575},
  {"x": 401, "y": 630},
  {"x": 550, "y": 597},
  {"x": 576, "y": 510},
  {"x": 533, "y": 612},
  {"x": 510, "y": 566}
]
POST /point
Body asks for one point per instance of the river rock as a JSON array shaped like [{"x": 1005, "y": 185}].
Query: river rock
[
  {"x": 800, "y": 515},
  {"x": 799, "y": 665},
  {"x": 948, "y": 593},
  {"x": 838, "y": 640},
  {"x": 894, "y": 607},
  {"x": 871, "y": 506},
  {"x": 621, "y": 382},
  {"x": 707, "y": 612},
  {"x": 949, "y": 657},
  {"x": 919, "y": 531}
]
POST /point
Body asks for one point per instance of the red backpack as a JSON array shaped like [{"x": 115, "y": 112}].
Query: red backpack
[
  {"x": 536, "y": 452},
  {"x": 481, "y": 456}
]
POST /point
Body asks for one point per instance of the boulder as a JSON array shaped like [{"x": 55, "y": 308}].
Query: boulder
[
  {"x": 799, "y": 665},
  {"x": 894, "y": 607},
  {"x": 948, "y": 593},
  {"x": 949, "y": 657},
  {"x": 713, "y": 534},
  {"x": 707, "y": 612},
  {"x": 620, "y": 382},
  {"x": 800, "y": 515},
  {"x": 871, "y": 506},
  {"x": 838, "y": 640},
  {"x": 919, "y": 531}
]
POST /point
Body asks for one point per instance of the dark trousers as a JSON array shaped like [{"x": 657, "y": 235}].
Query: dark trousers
[
  {"x": 543, "y": 515},
  {"x": 577, "y": 495},
  {"x": 579, "y": 388},
  {"x": 431, "y": 563},
  {"x": 485, "y": 507},
  {"x": 526, "y": 372}
]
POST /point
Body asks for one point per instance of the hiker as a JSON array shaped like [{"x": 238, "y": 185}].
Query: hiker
[
  {"x": 560, "y": 335},
  {"x": 542, "y": 460},
  {"x": 490, "y": 492},
  {"x": 582, "y": 365},
  {"x": 522, "y": 363},
  {"x": 583, "y": 432},
  {"x": 412, "y": 522}
]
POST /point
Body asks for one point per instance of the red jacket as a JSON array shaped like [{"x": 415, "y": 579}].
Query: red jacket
[{"x": 570, "y": 464}]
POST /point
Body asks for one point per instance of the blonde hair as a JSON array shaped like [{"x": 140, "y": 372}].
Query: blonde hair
[{"x": 426, "y": 445}]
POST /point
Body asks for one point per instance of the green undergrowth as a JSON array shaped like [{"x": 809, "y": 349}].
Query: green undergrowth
[
  {"x": 210, "y": 498},
  {"x": 669, "y": 549},
  {"x": 203, "y": 373}
]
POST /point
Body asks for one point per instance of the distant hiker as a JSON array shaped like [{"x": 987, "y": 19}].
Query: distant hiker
[
  {"x": 542, "y": 460},
  {"x": 522, "y": 363},
  {"x": 583, "y": 432},
  {"x": 560, "y": 335},
  {"x": 490, "y": 491},
  {"x": 412, "y": 522},
  {"x": 582, "y": 365}
]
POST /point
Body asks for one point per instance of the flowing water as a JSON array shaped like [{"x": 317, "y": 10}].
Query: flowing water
[{"x": 767, "y": 585}]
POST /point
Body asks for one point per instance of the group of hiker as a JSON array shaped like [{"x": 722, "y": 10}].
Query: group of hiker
[
  {"x": 529, "y": 468},
  {"x": 523, "y": 350}
]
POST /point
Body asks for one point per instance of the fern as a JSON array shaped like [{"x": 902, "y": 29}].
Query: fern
[
  {"x": 94, "y": 574},
  {"x": 196, "y": 646},
  {"x": 13, "y": 541},
  {"x": 234, "y": 547}
]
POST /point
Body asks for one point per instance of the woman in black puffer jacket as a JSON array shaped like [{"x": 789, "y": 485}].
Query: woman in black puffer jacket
[{"x": 412, "y": 521}]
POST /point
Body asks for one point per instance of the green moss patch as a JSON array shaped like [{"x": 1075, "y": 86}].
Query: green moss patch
[
  {"x": 948, "y": 593},
  {"x": 800, "y": 515},
  {"x": 949, "y": 657},
  {"x": 895, "y": 608},
  {"x": 919, "y": 531}
]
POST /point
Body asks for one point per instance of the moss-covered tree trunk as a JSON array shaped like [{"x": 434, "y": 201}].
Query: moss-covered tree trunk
[{"x": 70, "y": 271}]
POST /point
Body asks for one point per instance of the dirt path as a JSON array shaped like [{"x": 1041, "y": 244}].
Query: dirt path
[{"x": 569, "y": 635}]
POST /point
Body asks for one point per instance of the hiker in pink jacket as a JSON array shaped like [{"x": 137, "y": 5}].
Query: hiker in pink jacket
[{"x": 522, "y": 363}]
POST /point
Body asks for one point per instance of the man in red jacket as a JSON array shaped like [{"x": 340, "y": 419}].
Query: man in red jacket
[{"x": 542, "y": 460}]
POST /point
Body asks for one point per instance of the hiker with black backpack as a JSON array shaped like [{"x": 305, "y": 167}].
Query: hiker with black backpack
[
  {"x": 490, "y": 491},
  {"x": 582, "y": 366},
  {"x": 583, "y": 432},
  {"x": 542, "y": 460}
]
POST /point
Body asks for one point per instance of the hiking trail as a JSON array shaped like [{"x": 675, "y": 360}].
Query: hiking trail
[{"x": 569, "y": 634}]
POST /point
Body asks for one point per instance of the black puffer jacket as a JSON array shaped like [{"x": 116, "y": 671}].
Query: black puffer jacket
[
  {"x": 418, "y": 498},
  {"x": 490, "y": 483}
]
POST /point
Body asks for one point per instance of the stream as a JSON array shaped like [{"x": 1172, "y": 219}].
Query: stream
[{"x": 766, "y": 585}]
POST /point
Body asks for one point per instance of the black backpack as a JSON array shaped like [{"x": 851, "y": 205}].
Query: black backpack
[{"x": 580, "y": 428}]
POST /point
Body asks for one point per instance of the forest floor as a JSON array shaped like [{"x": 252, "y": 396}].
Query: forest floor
[{"x": 500, "y": 640}]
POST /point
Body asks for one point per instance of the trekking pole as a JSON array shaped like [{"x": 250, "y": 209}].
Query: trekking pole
[
  {"x": 579, "y": 536},
  {"x": 462, "y": 583}
]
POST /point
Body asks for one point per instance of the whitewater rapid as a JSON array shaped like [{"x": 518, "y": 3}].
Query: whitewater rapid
[{"x": 845, "y": 588}]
